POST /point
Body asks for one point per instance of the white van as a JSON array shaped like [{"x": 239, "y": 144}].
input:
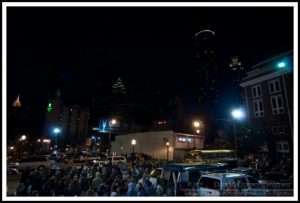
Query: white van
[
  {"x": 114, "y": 160},
  {"x": 229, "y": 184},
  {"x": 35, "y": 162}
]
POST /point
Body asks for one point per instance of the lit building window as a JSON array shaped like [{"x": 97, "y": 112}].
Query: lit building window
[
  {"x": 256, "y": 91},
  {"x": 277, "y": 104},
  {"x": 279, "y": 130},
  {"x": 274, "y": 86},
  {"x": 258, "y": 108}
]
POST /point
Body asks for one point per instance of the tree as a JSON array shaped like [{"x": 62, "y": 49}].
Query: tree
[{"x": 250, "y": 138}]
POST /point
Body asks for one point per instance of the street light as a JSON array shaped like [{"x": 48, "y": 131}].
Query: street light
[
  {"x": 237, "y": 114},
  {"x": 133, "y": 142},
  {"x": 111, "y": 123},
  {"x": 283, "y": 65},
  {"x": 197, "y": 124},
  {"x": 168, "y": 145},
  {"x": 56, "y": 131},
  {"x": 23, "y": 137}
]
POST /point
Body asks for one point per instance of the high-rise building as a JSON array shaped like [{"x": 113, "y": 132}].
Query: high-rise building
[
  {"x": 236, "y": 73},
  {"x": 70, "y": 120},
  {"x": 118, "y": 88},
  {"x": 205, "y": 45}
]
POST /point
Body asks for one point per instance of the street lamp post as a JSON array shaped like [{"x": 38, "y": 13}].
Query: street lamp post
[
  {"x": 22, "y": 139},
  {"x": 197, "y": 125},
  {"x": 56, "y": 131},
  {"x": 133, "y": 142},
  {"x": 168, "y": 145},
  {"x": 237, "y": 114},
  {"x": 113, "y": 122}
]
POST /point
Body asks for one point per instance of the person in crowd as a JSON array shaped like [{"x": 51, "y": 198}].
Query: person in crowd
[
  {"x": 20, "y": 190},
  {"x": 132, "y": 190}
]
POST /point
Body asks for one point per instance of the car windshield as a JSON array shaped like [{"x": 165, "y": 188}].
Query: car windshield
[{"x": 210, "y": 183}]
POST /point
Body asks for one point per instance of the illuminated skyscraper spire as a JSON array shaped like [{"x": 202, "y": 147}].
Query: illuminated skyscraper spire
[
  {"x": 118, "y": 87},
  {"x": 17, "y": 102}
]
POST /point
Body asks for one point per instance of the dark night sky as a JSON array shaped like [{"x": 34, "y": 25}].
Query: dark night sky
[{"x": 84, "y": 50}]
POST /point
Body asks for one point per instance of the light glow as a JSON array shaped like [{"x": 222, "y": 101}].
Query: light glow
[
  {"x": 281, "y": 65},
  {"x": 237, "y": 114},
  {"x": 23, "y": 137},
  {"x": 56, "y": 130}
]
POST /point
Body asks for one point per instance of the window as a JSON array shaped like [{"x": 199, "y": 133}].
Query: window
[
  {"x": 279, "y": 130},
  {"x": 258, "y": 108},
  {"x": 274, "y": 86},
  {"x": 277, "y": 104},
  {"x": 256, "y": 91},
  {"x": 210, "y": 183}
]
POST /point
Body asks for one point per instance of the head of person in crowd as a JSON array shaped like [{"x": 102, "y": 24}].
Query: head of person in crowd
[{"x": 20, "y": 190}]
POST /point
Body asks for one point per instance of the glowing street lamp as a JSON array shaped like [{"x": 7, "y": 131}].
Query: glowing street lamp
[
  {"x": 237, "y": 114},
  {"x": 56, "y": 131},
  {"x": 168, "y": 145},
  {"x": 283, "y": 65},
  {"x": 23, "y": 137},
  {"x": 197, "y": 125},
  {"x": 133, "y": 143},
  {"x": 110, "y": 124}
]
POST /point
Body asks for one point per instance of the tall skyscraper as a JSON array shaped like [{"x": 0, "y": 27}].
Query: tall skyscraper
[
  {"x": 205, "y": 45},
  {"x": 237, "y": 72}
]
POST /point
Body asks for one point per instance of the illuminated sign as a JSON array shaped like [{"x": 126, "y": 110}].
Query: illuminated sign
[
  {"x": 49, "y": 108},
  {"x": 184, "y": 139},
  {"x": 103, "y": 125},
  {"x": 161, "y": 122},
  {"x": 46, "y": 140}
]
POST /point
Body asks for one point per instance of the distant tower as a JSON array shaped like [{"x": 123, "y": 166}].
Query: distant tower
[
  {"x": 236, "y": 70},
  {"x": 118, "y": 87},
  {"x": 205, "y": 45},
  {"x": 17, "y": 102}
]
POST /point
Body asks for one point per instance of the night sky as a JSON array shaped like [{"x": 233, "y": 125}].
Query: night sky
[{"x": 83, "y": 51}]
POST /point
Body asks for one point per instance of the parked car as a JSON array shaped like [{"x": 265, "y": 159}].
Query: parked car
[
  {"x": 246, "y": 170},
  {"x": 113, "y": 159},
  {"x": 12, "y": 171},
  {"x": 229, "y": 184},
  {"x": 34, "y": 162},
  {"x": 186, "y": 174},
  {"x": 278, "y": 183},
  {"x": 139, "y": 157}
]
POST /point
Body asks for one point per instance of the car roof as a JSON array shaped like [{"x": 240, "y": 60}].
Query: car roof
[
  {"x": 189, "y": 166},
  {"x": 224, "y": 175},
  {"x": 242, "y": 169}
]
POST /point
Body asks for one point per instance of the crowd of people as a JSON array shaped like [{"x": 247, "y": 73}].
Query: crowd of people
[{"x": 91, "y": 180}]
